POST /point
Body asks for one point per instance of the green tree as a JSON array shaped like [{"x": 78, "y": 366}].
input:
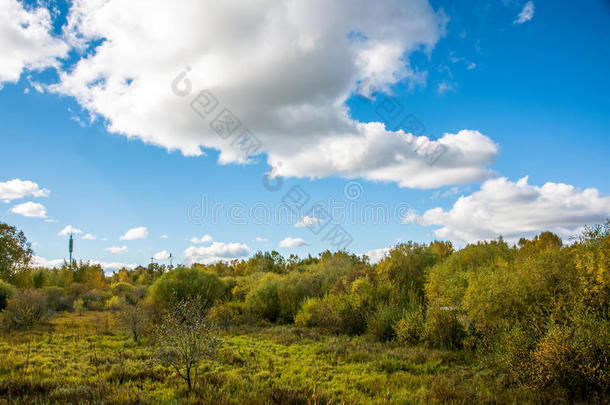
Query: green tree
[{"x": 15, "y": 251}]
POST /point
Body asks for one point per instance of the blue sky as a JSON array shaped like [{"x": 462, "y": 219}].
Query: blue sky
[{"x": 537, "y": 90}]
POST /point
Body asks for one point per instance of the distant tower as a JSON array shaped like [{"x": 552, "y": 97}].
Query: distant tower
[
  {"x": 170, "y": 261},
  {"x": 71, "y": 248}
]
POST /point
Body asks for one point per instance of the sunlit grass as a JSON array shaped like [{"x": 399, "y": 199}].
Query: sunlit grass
[{"x": 87, "y": 358}]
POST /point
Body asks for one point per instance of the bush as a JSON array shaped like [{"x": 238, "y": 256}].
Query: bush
[
  {"x": 115, "y": 303},
  {"x": 26, "y": 309},
  {"x": 95, "y": 300},
  {"x": 410, "y": 329},
  {"x": 262, "y": 303},
  {"x": 185, "y": 283},
  {"x": 381, "y": 323},
  {"x": 6, "y": 292},
  {"x": 226, "y": 314},
  {"x": 79, "y": 306},
  {"x": 317, "y": 312},
  {"x": 442, "y": 328},
  {"x": 121, "y": 289},
  {"x": 575, "y": 358},
  {"x": 57, "y": 299}
]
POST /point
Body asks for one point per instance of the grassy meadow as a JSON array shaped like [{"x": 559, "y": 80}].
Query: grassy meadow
[
  {"x": 488, "y": 323},
  {"x": 88, "y": 359}
]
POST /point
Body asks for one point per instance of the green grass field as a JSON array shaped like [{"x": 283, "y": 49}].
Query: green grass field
[{"x": 88, "y": 359}]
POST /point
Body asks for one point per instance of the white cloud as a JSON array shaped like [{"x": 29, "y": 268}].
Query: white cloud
[
  {"x": 51, "y": 221},
  {"x": 89, "y": 236},
  {"x": 114, "y": 265},
  {"x": 526, "y": 14},
  {"x": 518, "y": 209},
  {"x": 308, "y": 221},
  {"x": 445, "y": 87},
  {"x": 68, "y": 230},
  {"x": 25, "y": 40},
  {"x": 30, "y": 209},
  {"x": 38, "y": 261},
  {"x": 304, "y": 61},
  {"x": 291, "y": 242},
  {"x": 162, "y": 255},
  {"x": 203, "y": 239},
  {"x": 217, "y": 251},
  {"x": 260, "y": 239},
  {"x": 163, "y": 236},
  {"x": 135, "y": 233},
  {"x": 376, "y": 255},
  {"x": 116, "y": 249},
  {"x": 16, "y": 188}
]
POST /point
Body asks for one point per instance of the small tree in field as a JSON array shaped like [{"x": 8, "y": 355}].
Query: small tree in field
[
  {"x": 134, "y": 319},
  {"x": 184, "y": 338}
]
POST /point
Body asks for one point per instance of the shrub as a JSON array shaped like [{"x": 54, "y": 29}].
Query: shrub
[
  {"x": 6, "y": 292},
  {"x": 77, "y": 289},
  {"x": 79, "y": 306},
  {"x": 57, "y": 299},
  {"x": 95, "y": 299},
  {"x": 381, "y": 323},
  {"x": 575, "y": 358},
  {"x": 185, "y": 283},
  {"x": 317, "y": 312},
  {"x": 225, "y": 314},
  {"x": 115, "y": 303},
  {"x": 262, "y": 303},
  {"x": 26, "y": 309},
  {"x": 121, "y": 289},
  {"x": 293, "y": 290},
  {"x": 410, "y": 328},
  {"x": 512, "y": 353},
  {"x": 442, "y": 328}
]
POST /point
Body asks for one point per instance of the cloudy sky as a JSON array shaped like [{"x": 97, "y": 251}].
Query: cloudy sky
[{"x": 211, "y": 130}]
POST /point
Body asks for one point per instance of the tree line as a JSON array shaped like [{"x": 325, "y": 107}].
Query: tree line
[{"x": 536, "y": 312}]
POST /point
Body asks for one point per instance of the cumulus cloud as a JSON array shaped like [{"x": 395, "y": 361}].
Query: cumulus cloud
[
  {"x": 217, "y": 251},
  {"x": 526, "y": 14},
  {"x": 113, "y": 265},
  {"x": 68, "y": 230},
  {"x": 25, "y": 40},
  {"x": 162, "y": 255},
  {"x": 89, "y": 236},
  {"x": 30, "y": 209},
  {"x": 303, "y": 64},
  {"x": 260, "y": 239},
  {"x": 203, "y": 239},
  {"x": 116, "y": 249},
  {"x": 518, "y": 209},
  {"x": 308, "y": 221},
  {"x": 135, "y": 233},
  {"x": 291, "y": 242},
  {"x": 16, "y": 188},
  {"x": 376, "y": 255},
  {"x": 164, "y": 236},
  {"x": 38, "y": 261}
]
